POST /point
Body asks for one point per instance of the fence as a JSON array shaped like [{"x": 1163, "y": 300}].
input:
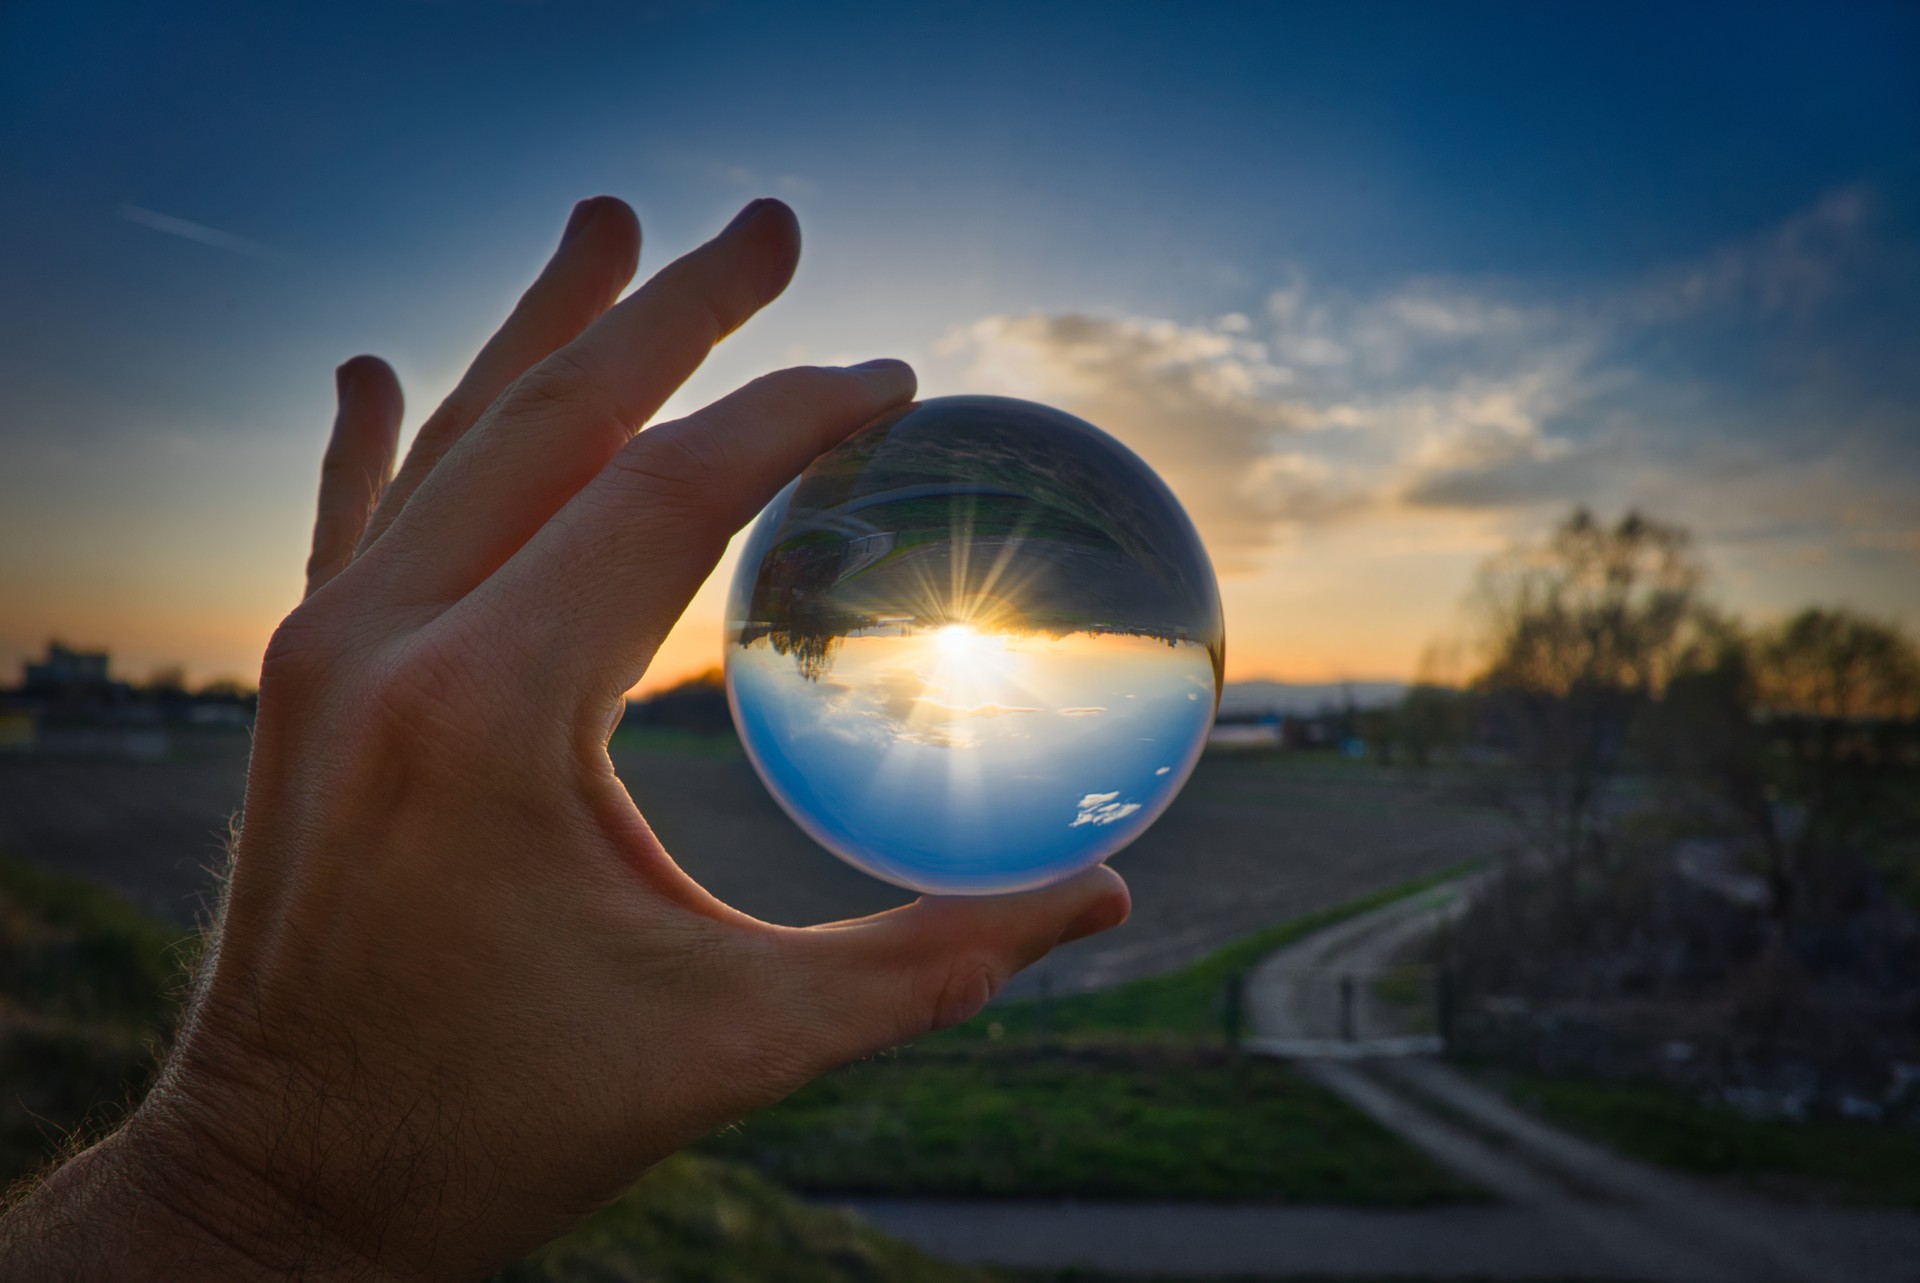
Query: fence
[{"x": 1343, "y": 1012}]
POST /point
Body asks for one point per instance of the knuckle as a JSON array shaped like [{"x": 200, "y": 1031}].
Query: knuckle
[
  {"x": 694, "y": 279},
  {"x": 447, "y": 423},
  {"x": 563, "y": 386},
  {"x": 673, "y": 466},
  {"x": 305, "y": 652},
  {"x": 298, "y": 650},
  {"x": 420, "y": 690},
  {"x": 960, "y": 991}
]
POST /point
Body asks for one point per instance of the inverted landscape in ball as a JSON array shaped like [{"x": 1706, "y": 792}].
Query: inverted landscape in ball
[{"x": 975, "y": 648}]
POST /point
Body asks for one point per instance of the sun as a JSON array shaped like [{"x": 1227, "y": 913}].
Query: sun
[
  {"x": 968, "y": 666},
  {"x": 959, "y": 643}
]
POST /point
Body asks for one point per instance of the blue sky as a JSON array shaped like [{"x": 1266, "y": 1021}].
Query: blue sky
[{"x": 1378, "y": 288}]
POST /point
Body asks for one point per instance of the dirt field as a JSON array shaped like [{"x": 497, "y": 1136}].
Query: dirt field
[{"x": 1248, "y": 843}]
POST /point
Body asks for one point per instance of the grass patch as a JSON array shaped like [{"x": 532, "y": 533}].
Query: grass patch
[
  {"x": 88, "y": 985},
  {"x": 86, "y": 996},
  {"x": 73, "y": 950},
  {"x": 1122, "y": 1098},
  {"x": 694, "y": 1220},
  {"x": 1181, "y": 1008},
  {"x": 1852, "y": 1162},
  {"x": 1108, "y": 1124}
]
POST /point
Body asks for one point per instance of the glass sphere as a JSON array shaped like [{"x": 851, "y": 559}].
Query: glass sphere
[{"x": 975, "y": 648}]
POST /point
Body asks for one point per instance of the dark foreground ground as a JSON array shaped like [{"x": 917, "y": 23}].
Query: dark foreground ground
[{"x": 1250, "y": 842}]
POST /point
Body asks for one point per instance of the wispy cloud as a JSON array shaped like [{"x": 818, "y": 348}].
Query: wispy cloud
[
  {"x": 748, "y": 178},
  {"x": 199, "y": 233},
  {"x": 1453, "y": 396},
  {"x": 1790, "y": 268},
  {"x": 1155, "y": 383}
]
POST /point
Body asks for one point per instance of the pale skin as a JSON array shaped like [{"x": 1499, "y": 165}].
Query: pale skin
[{"x": 461, "y": 996}]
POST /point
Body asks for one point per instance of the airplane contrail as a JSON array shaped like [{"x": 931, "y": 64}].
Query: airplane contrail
[{"x": 198, "y": 232}]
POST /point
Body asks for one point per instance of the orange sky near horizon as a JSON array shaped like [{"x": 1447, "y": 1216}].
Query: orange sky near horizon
[
  {"x": 192, "y": 556},
  {"x": 1325, "y": 631},
  {"x": 1349, "y": 459},
  {"x": 1378, "y": 300}
]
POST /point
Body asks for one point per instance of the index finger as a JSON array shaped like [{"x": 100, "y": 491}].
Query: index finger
[
  {"x": 556, "y": 427},
  {"x": 594, "y": 592}
]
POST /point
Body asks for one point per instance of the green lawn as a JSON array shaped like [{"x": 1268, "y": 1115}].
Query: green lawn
[
  {"x": 85, "y": 996},
  {"x": 695, "y": 1220},
  {"x": 1109, "y": 1124},
  {"x": 1852, "y": 1162},
  {"x": 1183, "y": 1008},
  {"x": 1130, "y": 1095},
  {"x": 87, "y": 991}
]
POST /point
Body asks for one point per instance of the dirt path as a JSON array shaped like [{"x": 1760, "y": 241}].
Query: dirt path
[
  {"x": 1569, "y": 1209},
  {"x": 1631, "y": 1220},
  {"x": 1247, "y": 1242}
]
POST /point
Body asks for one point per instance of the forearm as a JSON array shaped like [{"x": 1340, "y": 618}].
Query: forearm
[{"x": 151, "y": 1202}]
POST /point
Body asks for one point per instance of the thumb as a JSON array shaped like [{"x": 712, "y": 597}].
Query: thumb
[{"x": 876, "y": 982}]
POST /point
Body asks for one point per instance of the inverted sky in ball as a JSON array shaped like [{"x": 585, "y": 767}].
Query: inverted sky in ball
[{"x": 975, "y": 648}]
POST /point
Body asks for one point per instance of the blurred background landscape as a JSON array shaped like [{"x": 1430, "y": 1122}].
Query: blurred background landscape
[{"x": 1547, "y": 904}]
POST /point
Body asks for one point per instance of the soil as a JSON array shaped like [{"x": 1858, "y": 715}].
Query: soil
[{"x": 1252, "y": 841}]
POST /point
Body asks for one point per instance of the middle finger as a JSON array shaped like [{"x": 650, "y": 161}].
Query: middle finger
[
  {"x": 557, "y": 427},
  {"x": 596, "y": 258}
]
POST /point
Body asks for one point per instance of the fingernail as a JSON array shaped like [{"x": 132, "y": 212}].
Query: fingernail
[
  {"x": 1105, "y": 915},
  {"x": 577, "y": 221},
  {"x": 881, "y": 363},
  {"x": 342, "y": 379},
  {"x": 746, "y": 215}
]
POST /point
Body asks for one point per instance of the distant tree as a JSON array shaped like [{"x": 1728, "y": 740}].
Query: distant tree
[
  {"x": 1840, "y": 693},
  {"x": 1709, "y": 750},
  {"x": 1577, "y": 637},
  {"x": 697, "y": 704},
  {"x": 1807, "y": 734},
  {"x": 1432, "y": 720},
  {"x": 1837, "y": 668},
  {"x": 1379, "y": 728}
]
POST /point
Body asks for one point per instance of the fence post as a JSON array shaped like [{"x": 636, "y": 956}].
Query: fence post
[
  {"x": 1346, "y": 1007},
  {"x": 1043, "y": 1013},
  {"x": 1234, "y": 1014}
]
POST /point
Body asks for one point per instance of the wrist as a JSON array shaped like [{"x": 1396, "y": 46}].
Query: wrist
[
  {"x": 209, "y": 1191},
  {"x": 160, "y": 1199}
]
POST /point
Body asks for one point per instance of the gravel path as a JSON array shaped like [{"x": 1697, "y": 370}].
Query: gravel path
[
  {"x": 1570, "y": 1209},
  {"x": 1529, "y": 1242},
  {"x": 1629, "y": 1219}
]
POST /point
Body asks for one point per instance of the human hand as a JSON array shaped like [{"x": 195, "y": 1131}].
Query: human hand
[{"x": 461, "y": 996}]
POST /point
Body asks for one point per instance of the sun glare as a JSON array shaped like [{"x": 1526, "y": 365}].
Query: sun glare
[
  {"x": 968, "y": 665},
  {"x": 959, "y": 641}
]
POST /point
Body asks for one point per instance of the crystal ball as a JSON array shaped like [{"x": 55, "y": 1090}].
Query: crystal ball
[{"x": 976, "y": 647}]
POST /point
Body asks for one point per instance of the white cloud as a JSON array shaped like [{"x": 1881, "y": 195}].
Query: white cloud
[
  {"x": 1203, "y": 405},
  {"x": 1436, "y": 395},
  {"x": 1789, "y": 268},
  {"x": 1102, "y": 809}
]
